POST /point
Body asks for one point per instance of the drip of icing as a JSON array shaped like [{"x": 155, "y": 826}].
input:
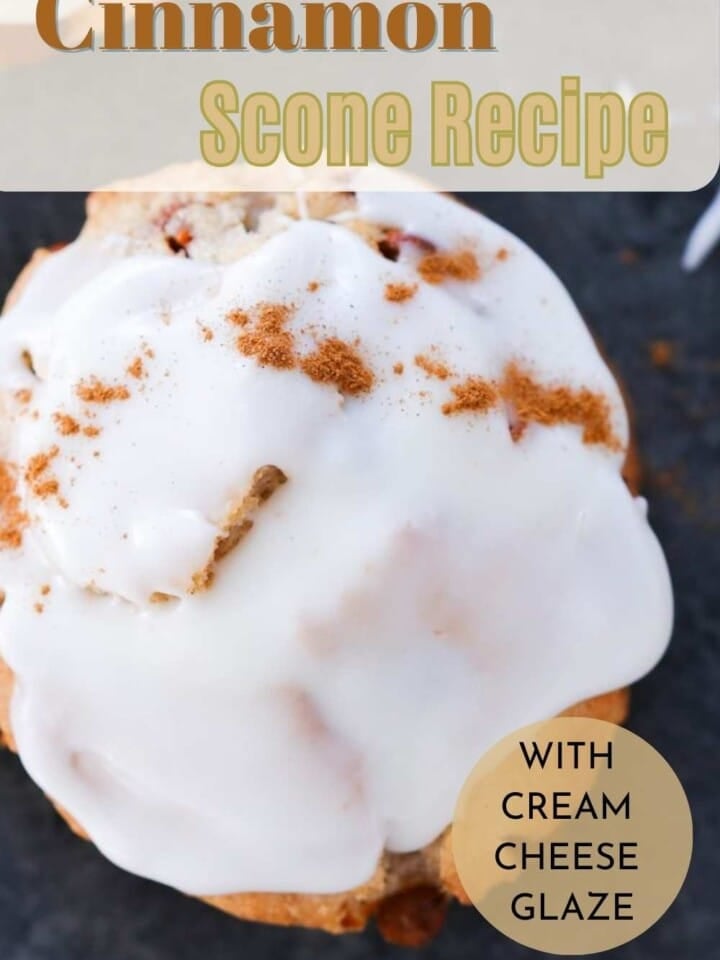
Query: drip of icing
[{"x": 419, "y": 586}]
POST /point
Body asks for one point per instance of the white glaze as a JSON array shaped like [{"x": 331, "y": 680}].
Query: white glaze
[{"x": 420, "y": 586}]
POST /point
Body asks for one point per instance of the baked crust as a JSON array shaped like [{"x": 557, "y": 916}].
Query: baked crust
[{"x": 408, "y": 893}]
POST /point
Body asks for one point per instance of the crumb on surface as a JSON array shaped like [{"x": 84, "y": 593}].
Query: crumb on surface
[{"x": 240, "y": 521}]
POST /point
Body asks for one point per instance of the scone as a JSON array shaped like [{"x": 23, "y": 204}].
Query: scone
[{"x": 307, "y": 499}]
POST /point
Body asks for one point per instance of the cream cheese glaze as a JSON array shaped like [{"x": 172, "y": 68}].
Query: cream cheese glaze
[{"x": 421, "y": 584}]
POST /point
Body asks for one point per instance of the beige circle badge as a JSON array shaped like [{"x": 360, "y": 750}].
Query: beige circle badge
[{"x": 572, "y": 836}]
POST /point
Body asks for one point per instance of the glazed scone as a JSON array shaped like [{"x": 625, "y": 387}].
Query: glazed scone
[{"x": 307, "y": 499}]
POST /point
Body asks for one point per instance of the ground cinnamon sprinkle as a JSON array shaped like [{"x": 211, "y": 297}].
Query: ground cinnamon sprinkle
[
  {"x": 400, "y": 292},
  {"x": 23, "y": 396},
  {"x": 502, "y": 254},
  {"x": 39, "y": 607},
  {"x": 313, "y": 286},
  {"x": 206, "y": 333},
  {"x": 268, "y": 341},
  {"x": 95, "y": 391},
  {"x": 662, "y": 353},
  {"x": 433, "y": 368},
  {"x": 239, "y": 318},
  {"x": 628, "y": 256},
  {"x": 45, "y": 589},
  {"x": 91, "y": 431},
  {"x": 398, "y": 368},
  {"x": 537, "y": 403},
  {"x": 38, "y": 464},
  {"x": 337, "y": 362},
  {"x": 36, "y": 476},
  {"x": 461, "y": 265},
  {"x": 532, "y": 402},
  {"x": 13, "y": 519},
  {"x": 473, "y": 395},
  {"x": 136, "y": 368},
  {"x": 46, "y": 488},
  {"x": 67, "y": 426}
]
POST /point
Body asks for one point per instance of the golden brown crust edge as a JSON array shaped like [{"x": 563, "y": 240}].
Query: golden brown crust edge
[{"x": 408, "y": 893}]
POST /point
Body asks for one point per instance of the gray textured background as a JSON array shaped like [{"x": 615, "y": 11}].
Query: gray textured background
[{"x": 619, "y": 255}]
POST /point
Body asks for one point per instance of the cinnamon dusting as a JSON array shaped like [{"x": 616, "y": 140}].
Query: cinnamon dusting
[
  {"x": 267, "y": 341},
  {"x": 532, "y": 402},
  {"x": 38, "y": 464},
  {"x": 662, "y": 353},
  {"x": 628, "y": 256},
  {"x": 46, "y": 488},
  {"x": 95, "y": 391},
  {"x": 23, "y": 396},
  {"x": 400, "y": 292},
  {"x": 398, "y": 368},
  {"x": 239, "y": 318},
  {"x": 473, "y": 395},
  {"x": 136, "y": 368},
  {"x": 67, "y": 426},
  {"x": 549, "y": 406},
  {"x": 13, "y": 519},
  {"x": 433, "y": 368},
  {"x": 336, "y": 362},
  {"x": 43, "y": 484},
  {"x": 460, "y": 265}
]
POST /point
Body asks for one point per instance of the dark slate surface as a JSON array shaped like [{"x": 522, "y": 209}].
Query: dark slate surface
[{"x": 619, "y": 255}]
